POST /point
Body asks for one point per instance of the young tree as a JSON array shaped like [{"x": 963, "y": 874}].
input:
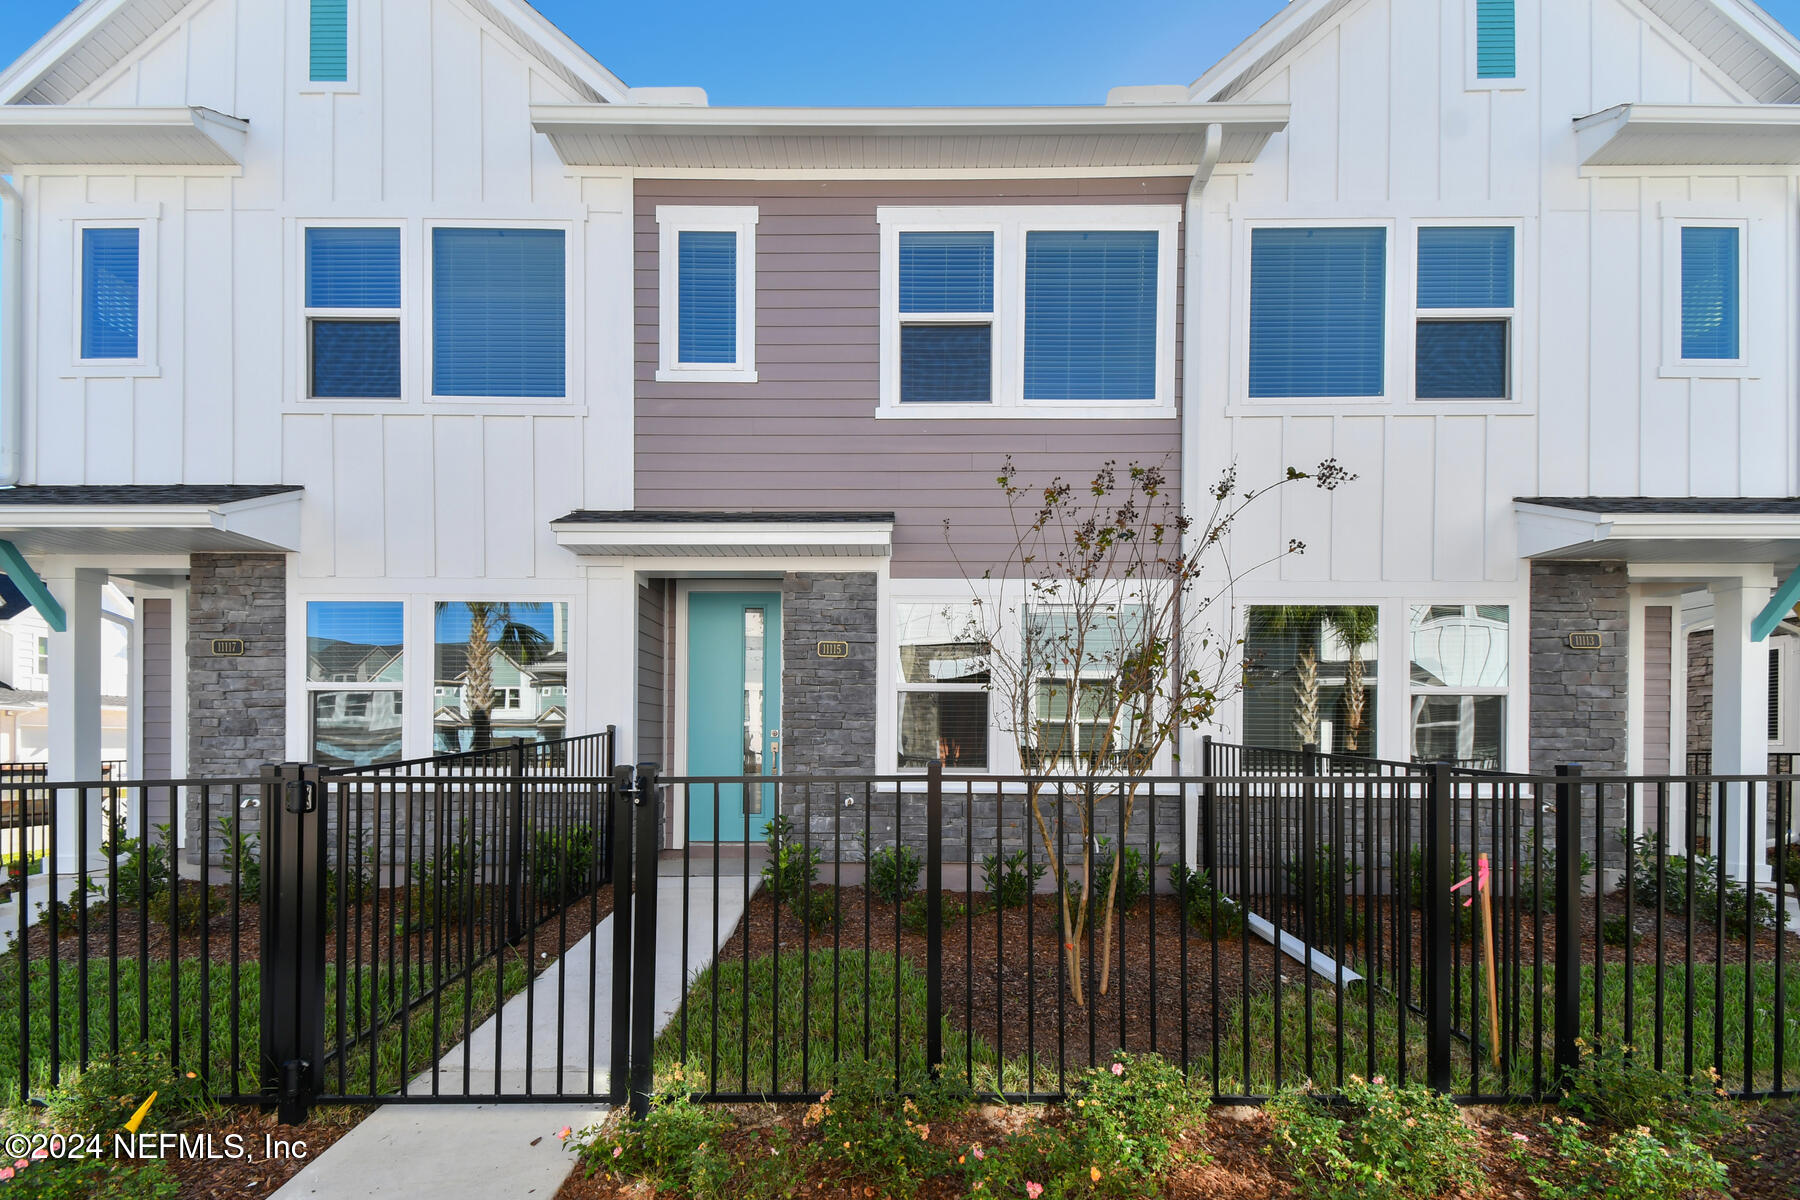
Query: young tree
[{"x": 1102, "y": 647}]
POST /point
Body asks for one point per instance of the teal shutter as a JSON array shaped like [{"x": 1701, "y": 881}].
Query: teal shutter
[
  {"x": 1317, "y": 312},
  {"x": 1709, "y": 293},
  {"x": 1496, "y": 40},
  {"x": 109, "y": 293},
  {"x": 330, "y": 41},
  {"x": 497, "y": 312}
]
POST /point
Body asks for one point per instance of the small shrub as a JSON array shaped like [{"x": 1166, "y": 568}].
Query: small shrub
[
  {"x": 186, "y": 906},
  {"x": 675, "y": 1146},
  {"x": 90, "y": 1179},
  {"x": 358, "y": 884},
  {"x": 1705, "y": 897},
  {"x": 1134, "y": 874},
  {"x": 443, "y": 887},
  {"x": 1012, "y": 880},
  {"x": 793, "y": 867},
  {"x": 914, "y": 913},
  {"x": 1616, "y": 1088},
  {"x": 100, "y": 1099},
  {"x": 563, "y": 864},
  {"x": 141, "y": 871},
  {"x": 894, "y": 873},
  {"x": 1333, "y": 879},
  {"x": 878, "y": 1137},
  {"x": 1623, "y": 1164},
  {"x": 1461, "y": 868},
  {"x": 67, "y": 913},
  {"x": 1405, "y": 1143},
  {"x": 1536, "y": 897},
  {"x": 1616, "y": 931},
  {"x": 240, "y": 855},
  {"x": 1207, "y": 908}
]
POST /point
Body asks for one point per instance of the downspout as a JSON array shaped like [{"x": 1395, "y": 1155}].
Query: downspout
[
  {"x": 12, "y": 331},
  {"x": 1189, "y": 400}
]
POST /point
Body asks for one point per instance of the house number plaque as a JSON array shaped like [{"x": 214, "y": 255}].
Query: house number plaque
[
  {"x": 1584, "y": 641},
  {"x": 834, "y": 649},
  {"x": 228, "y": 647}
]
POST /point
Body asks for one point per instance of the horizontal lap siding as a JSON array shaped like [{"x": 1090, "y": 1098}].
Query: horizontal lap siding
[{"x": 805, "y": 436}]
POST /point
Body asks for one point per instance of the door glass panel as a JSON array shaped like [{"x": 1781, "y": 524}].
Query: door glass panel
[{"x": 753, "y": 704}]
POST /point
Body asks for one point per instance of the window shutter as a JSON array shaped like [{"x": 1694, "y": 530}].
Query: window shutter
[
  {"x": 353, "y": 268},
  {"x": 1317, "y": 319},
  {"x": 330, "y": 41},
  {"x": 1465, "y": 268},
  {"x": 1774, "y": 694},
  {"x": 1496, "y": 41},
  {"x": 707, "y": 262},
  {"x": 950, "y": 272},
  {"x": 1709, "y": 292},
  {"x": 497, "y": 326},
  {"x": 1090, "y": 315},
  {"x": 109, "y": 293}
]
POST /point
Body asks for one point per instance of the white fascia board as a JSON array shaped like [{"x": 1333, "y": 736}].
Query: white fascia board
[
  {"x": 272, "y": 520},
  {"x": 1245, "y": 54},
  {"x": 63, "y": 37},
  {"x": 621, "y": 537},
  {"x": 1544, "y": 529}
]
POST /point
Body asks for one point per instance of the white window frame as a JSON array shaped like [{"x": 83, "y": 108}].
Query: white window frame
[
  {"x": 572, "y": 268},
  {"x": 408, "y": 301},
  {"x": 145, "y": 219},
  {"x": 903, "y": 687},
  {"x": 1010, "y": 224},
  {"x": 313, "y": 686},
  {"x": 41, "y": 657},
  {"x": 1509, "y": 315},
  {"x": 1674, "y": 366},
  {"x": 672, "y": 220},
  {"x": 1517, "y": 82},
  {"x": 1415, "y": 691},
  {"x": 303, "y": 68},
  {"x": 1397, "y": 343}
]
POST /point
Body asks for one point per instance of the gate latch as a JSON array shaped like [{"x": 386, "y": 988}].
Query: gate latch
[{"x": 302, "y": 795}]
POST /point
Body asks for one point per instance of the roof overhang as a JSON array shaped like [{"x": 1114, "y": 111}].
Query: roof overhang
[
  {"x": 725, "y": 535},
  {"x": 107, "y": 526},
  {"x": 1722, "y": 536},
  {"x": 1166, "y": 138},
  {"x": 51, "y": 135},
  {"x": 1684, "y": 135}
]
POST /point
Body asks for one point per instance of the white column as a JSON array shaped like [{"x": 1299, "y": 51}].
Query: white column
[
  {"x": 1740, "y": 728},
  {"x": 75, "y": 708}
]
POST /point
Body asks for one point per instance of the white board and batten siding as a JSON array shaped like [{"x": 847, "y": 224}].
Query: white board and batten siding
[
  {"x": 418, "y": 498},
  {"x": 1389, "y": 125}
]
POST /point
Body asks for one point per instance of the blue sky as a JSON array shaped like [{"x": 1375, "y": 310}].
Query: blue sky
[{"x": 830, "y": 52}]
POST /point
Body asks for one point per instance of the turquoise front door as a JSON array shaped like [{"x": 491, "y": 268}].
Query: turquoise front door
[{"x": 734, "y": 711}]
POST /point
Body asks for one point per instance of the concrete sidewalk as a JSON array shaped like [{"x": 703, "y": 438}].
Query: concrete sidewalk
[{"x": 456, "y": 1148}]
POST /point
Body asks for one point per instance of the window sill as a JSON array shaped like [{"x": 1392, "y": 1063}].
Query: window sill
[
  {"x": 113, "y": 369},
  {"x": 706, "y": 375},
  {"x": 1026, "y": 412},
  {"x": 1707, "y": 370}
]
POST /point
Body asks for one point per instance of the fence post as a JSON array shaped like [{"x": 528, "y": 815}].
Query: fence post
[
  {"x": 1568, "y": 910},
  {"x": 643, "y": 940},
  {"x": 293, "y": 938},
  {"x": 1309, "y": 843},
  {"x": 609, "y": 769},
  {"x": 623, "y": 793},
  {"x": 1208, "y": 859},
  {"x": 515, "y": 848},
  {"x": 1440, "y": 911},
  {"x": 934, "y": 916}
]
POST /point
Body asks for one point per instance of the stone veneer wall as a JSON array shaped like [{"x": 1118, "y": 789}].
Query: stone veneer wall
[
  {"x": 1578, "y": 697},
  {"x": 1699, "y": 691},
  {"x": 237, "y": 706}
]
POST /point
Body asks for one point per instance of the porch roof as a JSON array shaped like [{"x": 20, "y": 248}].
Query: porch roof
[
  {"x": 51, "y": 135},
  {"x": 1674, "y": 529},
  {"x": 674, "y": 533},
  {"x": 1640, "y": 135},
  {"x": 150, "y": 518}
]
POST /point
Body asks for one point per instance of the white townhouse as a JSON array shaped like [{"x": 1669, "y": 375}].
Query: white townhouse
[{"x": 425, "y": 386}]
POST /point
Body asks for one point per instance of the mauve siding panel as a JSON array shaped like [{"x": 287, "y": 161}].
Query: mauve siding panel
[
  {"x": 652, "y": 643},
  {"x": 1658, "y": 687},
  {"x": 805, "y": 434}
]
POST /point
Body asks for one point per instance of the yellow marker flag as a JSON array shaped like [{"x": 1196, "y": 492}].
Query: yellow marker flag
[{"x": 137, "y": 1118}]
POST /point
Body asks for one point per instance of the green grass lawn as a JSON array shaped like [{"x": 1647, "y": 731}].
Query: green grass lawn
[{"x": 199, "y": 1035}]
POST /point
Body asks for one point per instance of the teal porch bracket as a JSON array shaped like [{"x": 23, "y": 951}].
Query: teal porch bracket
[
  {"x": 34, "y": 587},
  {"x": 1779, "y": 605}
]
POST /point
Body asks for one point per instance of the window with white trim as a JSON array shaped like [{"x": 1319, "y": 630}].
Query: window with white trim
[
  {"x": 355, "y": 669},
  {"x": 115, "y": 291},
  {"x": 1463, "y": 328},
  {"x": 1318, "y": 312},
  {"x": 1458, "y": 681},
  {"x": 1028, "y": 311},
  {"x": 1705, "y": 275},
  {"x": 352, "y": 312},
  {"x": 706, "y": 293},
  {"x": 943, "y": 686},
  {"x": 1076, "y": 660}
]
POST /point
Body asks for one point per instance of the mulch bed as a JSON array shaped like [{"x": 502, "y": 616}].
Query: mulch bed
[
  {"x": 1228, "y": 1158},
  {"x": 255, "y": 1175},
  {"x": 371, "y": 934},
  {"x": 1001, "y": 977}
]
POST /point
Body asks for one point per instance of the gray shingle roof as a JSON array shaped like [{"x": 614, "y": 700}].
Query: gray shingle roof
[
  {"x": 1674, "y": 505},
  {"x": 115, "y": 494}
]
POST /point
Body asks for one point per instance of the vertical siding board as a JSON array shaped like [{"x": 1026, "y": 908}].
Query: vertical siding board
[
  {"x": 407, "y": 495},
  {"x": 1409, "y": 498},
  {"x": 1658, "y": 683},
  {"x": 805, "y": 435}
]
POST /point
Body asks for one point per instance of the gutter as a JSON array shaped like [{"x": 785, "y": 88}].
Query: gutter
[{"x": 12, "y": 327}]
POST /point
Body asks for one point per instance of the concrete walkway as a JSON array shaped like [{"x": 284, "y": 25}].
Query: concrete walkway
[{"x": 455, "y": 1148}]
